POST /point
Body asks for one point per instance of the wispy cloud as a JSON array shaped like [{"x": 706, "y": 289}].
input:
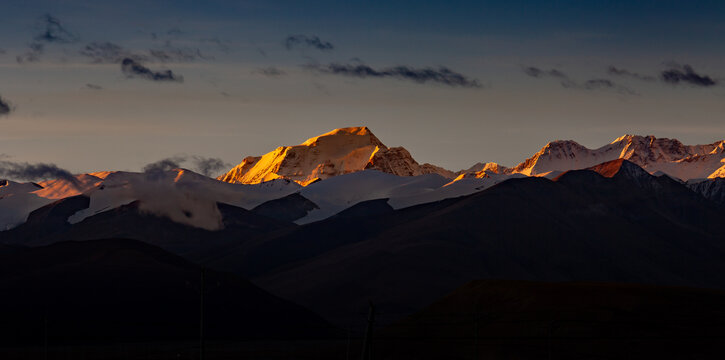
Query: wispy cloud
[
  {"x": 685, "y": 74},
  {"x": 94, "y": 87},
  {"x": 305, "y": 41},
  {"x": 612, "y": 70},
  {"x": 441, "y": 75},
  {"x": 35, "y": 50},
  {"x": 270, "y": 71},
  {"x": 569, "y": 83},
  {"x": 599, "y": 84},
  {"x": 208, "y": 166},
  {"x": 204, "y": 165},
  {"x": 5, "y": 107},
  {"x": 108, "y": 53},
  {"x": 132, "y": 69},
  {"x": 34, "y": 172},
  {"x": 53, "y": 31}
]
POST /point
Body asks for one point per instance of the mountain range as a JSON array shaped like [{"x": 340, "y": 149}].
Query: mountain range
[
  {"x": 357, "y": 167},
  {"x": 342, "y": 219}
]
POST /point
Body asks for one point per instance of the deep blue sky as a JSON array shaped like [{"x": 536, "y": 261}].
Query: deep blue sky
[{"x": 246, "y": 93}]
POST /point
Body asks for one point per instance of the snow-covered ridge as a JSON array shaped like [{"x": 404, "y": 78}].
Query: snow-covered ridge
[
  {"x": 338, "y": 152},
  {"x": 180, "y": 195},
  {"x": 653, "y": 154}
]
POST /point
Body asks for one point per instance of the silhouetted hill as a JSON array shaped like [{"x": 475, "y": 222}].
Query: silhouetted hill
[
  {"x": 108, "y": 291},
  {"x": 539, "y": 320},
  {"x": 630, "y": 227}
]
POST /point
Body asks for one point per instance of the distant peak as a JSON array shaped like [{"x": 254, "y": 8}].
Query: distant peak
[
  {"x": 362, "y": 131},
  {"x": 613, "y": 168}
]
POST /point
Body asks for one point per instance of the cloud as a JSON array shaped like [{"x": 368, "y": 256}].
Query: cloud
[
  {"x": 156, "y": 170},
  {"x": 132, "y": 68},
  {"x": 440, "y": 75},
  {"x": 539, "y": 73},
  {"x": 314, "y": 42},
  {"x": 111, "y": 53},
  {"x": 270, "y": 71},
  {"x": 54, "y": 32},
  {"x": 35, "y": 49},
  {"x": 5, "y": 107},
  {"x": 204, "y": 165},
  {"x": 566, "y": 82},
  {"x": 626, "y": 73},
  {"x": 94, "y": 87},
  {"x": 220, "y": 45},
  {"x": 209, "y": 166},
  {"x": 34, "y": 172},
  {"x": 108, "y": 53},
  {"x": 599, "y": 84},
  {"x": 684, "y": 74},
  {"x": 170, "y": 53}
]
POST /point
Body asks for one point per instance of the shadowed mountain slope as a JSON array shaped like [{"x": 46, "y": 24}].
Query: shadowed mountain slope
[
  {"x": 526, "y": 320},
  {"x": 123, "y": 290}
]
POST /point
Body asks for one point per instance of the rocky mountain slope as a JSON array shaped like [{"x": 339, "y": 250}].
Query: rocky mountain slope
[
  {"x": 337, "y": 152},
  {"x": 656, "y": 155}
]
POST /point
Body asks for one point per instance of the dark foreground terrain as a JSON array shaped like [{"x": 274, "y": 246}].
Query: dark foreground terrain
[{"x": 122, "y": 299}]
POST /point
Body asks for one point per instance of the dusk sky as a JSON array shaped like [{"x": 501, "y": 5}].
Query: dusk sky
[{"x": 93, "y": 85}]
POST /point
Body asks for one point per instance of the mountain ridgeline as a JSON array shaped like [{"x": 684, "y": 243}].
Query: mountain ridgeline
[{"x": 342, "y": 220}]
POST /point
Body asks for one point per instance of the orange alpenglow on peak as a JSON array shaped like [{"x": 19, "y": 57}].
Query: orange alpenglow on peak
[{"x": 337, "y": 152}]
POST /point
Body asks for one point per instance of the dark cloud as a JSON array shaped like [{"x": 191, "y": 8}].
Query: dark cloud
[
  {"x": 54, "y": 32},
  {"x": 684, "y": 74},
  {"x": 108, "y": 53},
  {"x": 35, "y": 49},
  {"x": 34, "y": 172},
  {"x": 270, "y": 71},
  {"x": 156, "y": 170},
  {"x": 170, "y": 53},
  {"x": 204, "y": 165},
  {"x": 209, "y": 166},
  {"x": 624, "y": 72},
  {"x": 5, "y": 107},
  {"x": 3, "y": 51},
  {"x": 94, "y": 87},
  {"x": 540, "y": 73},
  {"x": 566, "y": 82},
  {"x": 441, "y": 75},
  {"x": 132, "y": 68},
  {"x": 602, "y": 84},
  {"x": 220, "y": 45},
  {"x": 313, "y": 42}
]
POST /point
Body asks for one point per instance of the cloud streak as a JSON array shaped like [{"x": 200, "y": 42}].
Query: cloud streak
[
  {"x": 626, "y": 73},
  {"x": 566, "y": 82},
  {"x": 35, "y": 172},
  {"x": 441, "y": 75},
  {"x": 108, "y": 53},
  {"x": 54, "y": 31},
  {"x": 685, "y": 74},
  {"x": 133, "y": 69},
  {"x": 204, "y": 165},
  {"x": 35, "y": 49},
  {"x": 314, "y": 42},
  {"x": 5, "y": 107},
  {"x": 209, "y": 166},
  {"x": 270, "y": 71}
]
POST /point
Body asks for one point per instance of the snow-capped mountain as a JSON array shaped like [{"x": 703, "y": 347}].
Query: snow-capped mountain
[
  {"x": 713, "y": 189},
  {"x": 180, "y": 195},
  {"x": 337, "y": 152},
  {"x": 656, "y": 155},
  {"x": 17, "y": 200},
  {"x": 356, "y": 167}
]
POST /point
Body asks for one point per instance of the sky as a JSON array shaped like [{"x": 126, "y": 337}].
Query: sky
[{"x": 101, "y": 85}]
